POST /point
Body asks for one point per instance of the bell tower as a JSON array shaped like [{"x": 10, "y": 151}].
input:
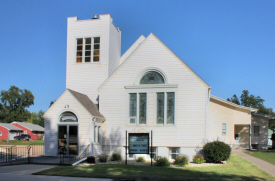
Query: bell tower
[{"x": 93, "y": 53}]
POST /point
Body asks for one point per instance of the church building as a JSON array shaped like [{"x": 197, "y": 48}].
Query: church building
[{"x": 148, "y": 89}]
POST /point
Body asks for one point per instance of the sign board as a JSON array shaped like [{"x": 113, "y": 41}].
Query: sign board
[{"x": 138, "y": 143}]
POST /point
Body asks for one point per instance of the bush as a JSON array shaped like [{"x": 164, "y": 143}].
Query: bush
[
  {"x": 198, "y": 159},
  {"x": 91, "y": 159},
  {"x": 181, "y": 160},
  {"x": 216, "y": 151},
  {"x": 140, "y": 159},
  {"x": 4, "y": 141},
  {"x": 103, "y": 158},
  {"x": 116, "y": 157},
  {"x": 39, "y": 137},
  {"x": 161, "y": 161}
]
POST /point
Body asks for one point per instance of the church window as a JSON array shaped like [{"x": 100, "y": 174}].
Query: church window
[
  {"x": 87, "y": 48},
  {"x": 138, "y": 108},
  {"x": 96, "y": 49},
  {"x": 152, "y": 78},
  {"x": 67, "y": 117},
  {"x": 165, "y": 108}
]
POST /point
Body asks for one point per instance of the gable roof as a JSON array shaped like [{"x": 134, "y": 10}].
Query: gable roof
[
  {"x": 10, "y": 127},
  {"x": 87, "y": 103},
  {"x": 151, "y": 34},
  {"x": 30, "y": 126},
  {"x": 233, "y": 104}
]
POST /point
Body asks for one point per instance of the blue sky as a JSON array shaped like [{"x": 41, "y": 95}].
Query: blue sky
[{"x": 230, "y": 44}]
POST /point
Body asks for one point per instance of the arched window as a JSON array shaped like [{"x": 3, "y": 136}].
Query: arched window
[
  {"x": 152, "y": 77},
  {"x": 68, "y": 117}
]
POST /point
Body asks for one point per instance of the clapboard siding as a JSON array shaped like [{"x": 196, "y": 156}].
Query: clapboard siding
[
  {"x": 87, "y": 77},
  {"x": 261, "y": 139},
  {"x": 223, "y": 113},
  {"x": 51, "y": 122},
  {"x": 191, "y": 98}
]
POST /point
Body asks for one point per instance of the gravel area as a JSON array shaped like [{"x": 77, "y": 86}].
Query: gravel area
[{"x": 148, "y": 163}]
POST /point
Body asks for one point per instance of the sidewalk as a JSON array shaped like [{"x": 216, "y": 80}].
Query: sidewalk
[
  {"x": 24, "y": 173},
  {"x": 268, "y": 167}
]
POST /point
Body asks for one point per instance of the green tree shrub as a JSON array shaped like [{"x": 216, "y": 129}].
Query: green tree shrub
[
  {"x": 216, "y": 151},
  {"x": 103, "y": 158},
  {"x": 116, "y": 157},
  {"x": 198, "y": 158},
  {"x": 140, "y": 159},
  {"x": 161, "y": 161},
  {"x": 181, "y": 160}
]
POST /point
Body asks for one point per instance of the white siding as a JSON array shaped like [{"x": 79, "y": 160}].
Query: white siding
[
  {"x": 51, "y": 122},
  {"x": 262, "y": 122},
  {"x": 87, "y": 77},
  {"x": 191, "y": 98}
]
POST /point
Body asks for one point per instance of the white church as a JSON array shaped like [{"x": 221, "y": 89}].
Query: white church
[{"x": 148, "y": 88}]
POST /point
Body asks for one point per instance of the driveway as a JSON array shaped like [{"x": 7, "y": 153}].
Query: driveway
[{"x": 24, "y": 173}]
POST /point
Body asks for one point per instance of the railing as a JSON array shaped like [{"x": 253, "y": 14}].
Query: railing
[
  {"x": 20, "y": 154},
  {"x": 84, "y": 151}
]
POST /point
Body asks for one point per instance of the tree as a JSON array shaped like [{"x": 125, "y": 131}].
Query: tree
[
  {"x": 37, "y": 118},
  {"x": 234, "y": 99},
  {"x": 51, "y": 103},
  {"x": 14, "y": 103}
]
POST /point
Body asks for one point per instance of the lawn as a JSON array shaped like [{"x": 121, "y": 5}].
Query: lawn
[
  {"x": 263, "y": 155},
  {"x": 236, "y": 169},
  {"x": 21, "y": 142}
]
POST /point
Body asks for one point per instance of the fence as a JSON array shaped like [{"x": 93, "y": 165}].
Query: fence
[{"x": 20, "y": 154}]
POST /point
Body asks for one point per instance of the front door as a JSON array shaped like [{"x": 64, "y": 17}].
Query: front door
[{"x": 68, "y": 139}]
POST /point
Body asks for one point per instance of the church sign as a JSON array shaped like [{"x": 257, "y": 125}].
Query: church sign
[{"x": 138, "y": 143}]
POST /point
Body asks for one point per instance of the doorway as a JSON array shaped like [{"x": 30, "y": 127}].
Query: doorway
[{"x": 68, "y": 139}]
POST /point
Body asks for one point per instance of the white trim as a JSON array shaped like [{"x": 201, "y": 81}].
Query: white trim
[
  {"x": 151, "y": 86},
  {"x": 9, "y": 129},
  {"x": 22, "y": 125},
  {"x": 233, "y": 104}
]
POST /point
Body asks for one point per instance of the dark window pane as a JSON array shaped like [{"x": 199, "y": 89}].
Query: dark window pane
[
  {"x": 87, "y": 53},
  {"x": 96, "y": 47},
  {"x": 73, "y": 140},
  {"x": 152, "y": 78},
  {"x": 142, "y": 108},
  {"x": 62, "y": 146},
  {"x": 88, "y": 47},
  {"x": 87, "y": 59},
  {"x": 96, "y": 59},
  {"x": 80, "y": 41},
  {"x": 97, "y": 40},
  {"x": 79, "y": 47},
  {"x": 96, "y": 52},
  {"x": 170, "y": 107},
  {"x": 79, "y": 59},
  {"x": 133, "y": 105},
  {"x": 62, "y": 132},
  {"x": 88, "y": 40},
  {"x": 79, "y": 54},
  {"x": 160, "y": 108}
]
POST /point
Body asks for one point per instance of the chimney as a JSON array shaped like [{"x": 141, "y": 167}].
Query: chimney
[{"x": 95, "y": 16}]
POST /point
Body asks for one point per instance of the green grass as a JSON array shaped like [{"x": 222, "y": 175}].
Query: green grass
[
  {"x": 263, "y": 155},
  {"x": 21, "y": 142},
  {"x": 236, "y": 169}
]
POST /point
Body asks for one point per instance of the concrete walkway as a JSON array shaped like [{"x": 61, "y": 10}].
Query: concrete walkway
[
  {"x": 268, "y": 167},
  {"x": 24, "y": 173}
]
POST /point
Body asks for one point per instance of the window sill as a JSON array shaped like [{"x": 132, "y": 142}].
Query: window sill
[{"x": 82, "y": 63}]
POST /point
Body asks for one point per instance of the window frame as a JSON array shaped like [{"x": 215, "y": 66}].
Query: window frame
[
  {"x": 170, "y": 152},
  {"x": 25, "y": 132},
  {"x": 0, "y": 133},
  {"x": 97, "y": 131},
  {"x": 224, "y": 133},
  {"x": 156, "y": 152},
  {"x": 84, "y": 49},
  {"x": 165, "y": 108},
  {"x": 137, "y": 108},
  {"x": 258, "y": 133}
]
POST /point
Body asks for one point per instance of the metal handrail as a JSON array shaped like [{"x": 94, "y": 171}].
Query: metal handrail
[{"x": 84, "y": 151}]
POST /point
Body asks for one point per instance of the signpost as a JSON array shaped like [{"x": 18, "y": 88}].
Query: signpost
[{"x": 138, "y": 144}]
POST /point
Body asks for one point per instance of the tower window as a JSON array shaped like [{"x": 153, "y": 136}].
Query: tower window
[{"x": 84, "y": 49}]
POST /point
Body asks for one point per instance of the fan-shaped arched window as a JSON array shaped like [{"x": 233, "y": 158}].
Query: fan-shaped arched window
[
  {"x": 68, "y": 117},
  {"x": 152, "y": 78}
]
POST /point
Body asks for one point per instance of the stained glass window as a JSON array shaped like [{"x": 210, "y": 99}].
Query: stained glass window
[
  {"x": 68, "y": 117},
  {"x": 142, "y": 108},
  {"x": 152, "y": 78},
  {"x": 160, "y": 108},
  {"x": 170, "y": 107},
  {"x": 133, "y": 108}
]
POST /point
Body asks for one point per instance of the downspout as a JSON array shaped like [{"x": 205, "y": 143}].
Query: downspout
[
  {"x": 92, "y": 135},
  {"x": 250, "y": 133},
  {"x": 207, "y": 114}
]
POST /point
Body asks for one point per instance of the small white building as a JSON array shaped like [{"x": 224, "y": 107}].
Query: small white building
[{"x": 147, "y": 88}]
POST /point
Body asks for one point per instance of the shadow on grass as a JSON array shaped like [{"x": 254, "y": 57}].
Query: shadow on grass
[{"x": 139, "y": 173}]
